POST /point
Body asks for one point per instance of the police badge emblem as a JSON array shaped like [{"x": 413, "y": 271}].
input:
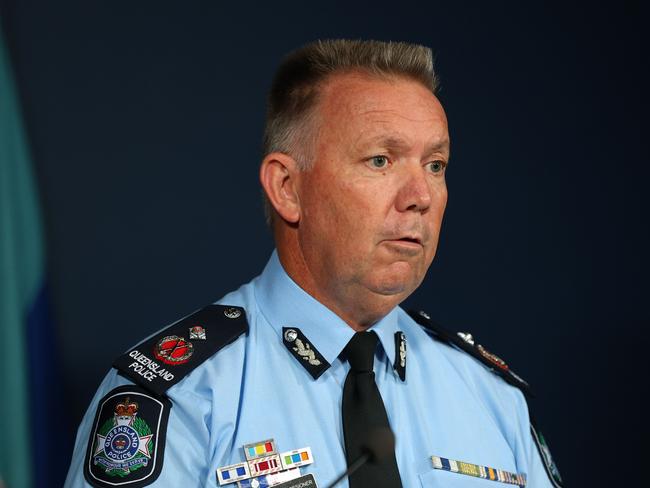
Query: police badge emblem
[
  {"x": 127, "y": 442},
  {"x": 173, "y": 350},
  {"x": 545, "y": 453}
]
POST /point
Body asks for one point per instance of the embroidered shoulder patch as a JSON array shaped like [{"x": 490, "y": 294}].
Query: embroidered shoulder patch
[
  {"x": 547, "y": 459},
  {"x": 127, "y": 442},
  {"x": 166, "y": 358}
]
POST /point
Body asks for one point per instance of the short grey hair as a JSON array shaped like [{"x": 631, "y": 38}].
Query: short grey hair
[{"x": 290, "y": 128}]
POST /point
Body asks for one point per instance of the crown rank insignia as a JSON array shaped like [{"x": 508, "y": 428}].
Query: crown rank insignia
[
  {"x": 124, "y": 442},
  {"x": 197, "y": 333}
]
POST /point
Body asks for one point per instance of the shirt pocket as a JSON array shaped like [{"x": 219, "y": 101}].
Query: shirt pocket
[{"x": 440, "y": 478}]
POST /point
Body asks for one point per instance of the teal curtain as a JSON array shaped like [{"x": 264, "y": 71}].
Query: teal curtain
[{"x": 21, "y": 277}]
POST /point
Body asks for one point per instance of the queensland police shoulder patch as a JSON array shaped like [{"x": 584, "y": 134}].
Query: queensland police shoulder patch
[
  {"x": 127, "y": 442},
  {"x": 547, "y": 458}
]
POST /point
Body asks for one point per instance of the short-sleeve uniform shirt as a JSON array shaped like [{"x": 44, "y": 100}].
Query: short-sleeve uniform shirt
[{"x": 446, "y": 404}]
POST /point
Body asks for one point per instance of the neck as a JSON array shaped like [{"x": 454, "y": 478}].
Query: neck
[{"x": 360, "y": 310}]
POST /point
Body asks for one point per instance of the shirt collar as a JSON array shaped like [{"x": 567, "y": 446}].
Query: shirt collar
[{"x": 284, "y": 304}]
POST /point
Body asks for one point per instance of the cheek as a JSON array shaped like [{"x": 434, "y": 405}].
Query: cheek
[
  {"x": 346, "y": 208},
  {"x": 439, "y": 199},
  {"x": 364, "y": 208},
  {"x": 349, "y": 201},
  {"x": 353, "y": 222},
  {"x": 435, "y": 215},
  {"x": 328, "y": 211}
]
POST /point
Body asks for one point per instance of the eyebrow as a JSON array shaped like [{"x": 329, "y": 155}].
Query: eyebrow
[{"x": 397, "y": 143}]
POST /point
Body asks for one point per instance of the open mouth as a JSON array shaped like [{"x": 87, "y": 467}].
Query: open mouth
[{"x": 414, "y": 240}]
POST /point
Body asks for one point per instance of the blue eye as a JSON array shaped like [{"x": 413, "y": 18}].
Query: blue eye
[
  {"x": 437, "y": 166},
  {"x": 379, "y": 162}
]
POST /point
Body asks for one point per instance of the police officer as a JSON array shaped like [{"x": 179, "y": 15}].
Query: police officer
[{"x": 285, "y": 381}]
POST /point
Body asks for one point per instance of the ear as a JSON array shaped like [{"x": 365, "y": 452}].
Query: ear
[{"x": 278, "y": 175}]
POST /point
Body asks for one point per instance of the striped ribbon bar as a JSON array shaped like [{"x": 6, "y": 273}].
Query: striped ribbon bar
[
  {"x": 265, "y": 465},
  {"x": 259, "y": 449},
  {"x": 296, "y": 458},
  {"x": 484, "y": 472},
  {"x": 259, "y": 482},
  {"x": 232, "y": 473}
]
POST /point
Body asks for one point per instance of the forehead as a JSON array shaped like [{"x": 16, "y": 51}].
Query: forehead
[{"x": 366, "y": 109}]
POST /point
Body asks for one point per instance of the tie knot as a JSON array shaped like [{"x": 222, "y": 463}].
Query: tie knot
[{"x": 361, "y": 351}]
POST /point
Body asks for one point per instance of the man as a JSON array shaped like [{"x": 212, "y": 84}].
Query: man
[{"x": 298, "y": 375}]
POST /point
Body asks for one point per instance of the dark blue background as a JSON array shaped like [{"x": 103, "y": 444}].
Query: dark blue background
[{"x": 145, "y": 120}]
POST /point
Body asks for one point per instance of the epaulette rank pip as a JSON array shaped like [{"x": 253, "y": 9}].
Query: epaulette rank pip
[
  {"x": 166, "y": 358},
  {"x": 465, "y": 342}
]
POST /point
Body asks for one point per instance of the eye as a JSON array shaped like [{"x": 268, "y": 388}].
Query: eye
[
  {"x": 437, "y": 166},
  {"x": 378, "y": 162}
]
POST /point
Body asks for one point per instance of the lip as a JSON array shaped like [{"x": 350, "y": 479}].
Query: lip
[
  {"x": 412, "y": 238},
  {"x": 406, "y": 242}
]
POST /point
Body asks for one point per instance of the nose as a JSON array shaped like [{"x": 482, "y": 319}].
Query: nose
[{"x": 415, "y": 191}]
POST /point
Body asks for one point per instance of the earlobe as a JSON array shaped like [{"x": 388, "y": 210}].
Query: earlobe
[{"x": 278, "y": 176}]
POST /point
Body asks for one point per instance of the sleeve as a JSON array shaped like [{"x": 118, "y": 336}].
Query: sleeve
[
  {"x": 542, "y": 471},
  {"x": 539, "y": 468},
  {"x": 129, "y": 437}
]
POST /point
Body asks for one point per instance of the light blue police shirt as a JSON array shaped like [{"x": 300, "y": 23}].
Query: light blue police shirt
[{"x": 449, "y": 405}]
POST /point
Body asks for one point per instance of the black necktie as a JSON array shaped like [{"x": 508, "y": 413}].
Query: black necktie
[{"x": 363, "y": 411}]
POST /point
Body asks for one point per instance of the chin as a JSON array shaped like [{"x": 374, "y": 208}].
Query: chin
[
  {"x": 398, "y": 278},
  {"x": 393, "y": 285}
]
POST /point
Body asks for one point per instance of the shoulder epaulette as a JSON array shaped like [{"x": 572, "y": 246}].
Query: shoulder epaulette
[
  {"x": 465, "y": 342},
  {"x": 166, "y": 358}
]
